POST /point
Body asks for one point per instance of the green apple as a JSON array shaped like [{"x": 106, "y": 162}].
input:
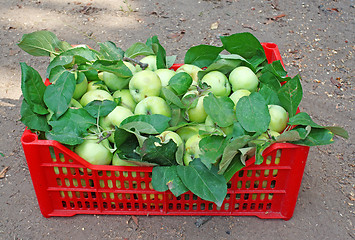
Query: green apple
[
  {"x": 151, "y": 60},
  {"x": 95, "y": 95},
  {"x": 279, "y": 118},
  {"x": 81, "y": 87},
  {"x": 126, "y": 99},
  {"x": 153, "y": 105},
  {"x": 192, "y": 149},
  {"x": 197, "y": 114},
  {"x": 113, "y": 119},
  {"x": 114, "y": 82},
  {"x": 91, "y": 75},
  {"x": 94, "y": 152},
  {"x": 94, "y": 85},
  {"x": 218, "y": 82},
  {"x": 144, "y": 84},
  {"x": 187, "y": 132},
  {"x": 165, "y": 75},
  {"x": 210, "y": 124},
  {"x": 117, "y": 161},
  {"x": 243, "y": 78},
  {"x": 167, "y": 135},
  {"x": 192, "y": 70},
  {"x": 238, "y": 95},
  {"x": 74, "y": 104}
]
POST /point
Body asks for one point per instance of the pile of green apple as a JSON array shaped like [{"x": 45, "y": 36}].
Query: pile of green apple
[{"x": 196, "y": 123}]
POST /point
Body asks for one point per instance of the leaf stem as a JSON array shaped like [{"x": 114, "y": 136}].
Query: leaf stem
[{"x": 142, "y": 65}]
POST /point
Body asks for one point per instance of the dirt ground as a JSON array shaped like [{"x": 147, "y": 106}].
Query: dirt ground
[{"x": 316, "y": 39}]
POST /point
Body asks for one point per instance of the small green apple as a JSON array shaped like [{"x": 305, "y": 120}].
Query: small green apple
[
  {"x": 95, "y": 95},
  {"x": 94, "y": 152},
  {"x": 117, "y": 161},
  {"x": 243, "y": 78},
  {"x": 167, "y": 135},
  {"x": 279, "y": 118},
  {"x": 165, "y": 75},
  {"x": 126, "y": 99},
  {"x": 192, "y": 70},
  {"x": 238, "y": 95},
  {"x": 94, "y": 85},
  {"x": 81, "y": 87},
  {"x": 192, "y": 149},
  {"x": 113, "y": 119},
  {"x": 153, "y": 105},
  {"x": 198, "y": 113},
  {"x": 144, "y": 84},
  {"x": 114, "y": 82},
  {"x": 151, "y": 60},
  {"x": 74, "y": 104},
  {"x": 187, "y": 132},
  {"x": 218, "y": 82},
  {"x": 91, "y": 75}
]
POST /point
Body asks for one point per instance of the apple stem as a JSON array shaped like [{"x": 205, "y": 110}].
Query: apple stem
[{"x": 142, "y": 65}]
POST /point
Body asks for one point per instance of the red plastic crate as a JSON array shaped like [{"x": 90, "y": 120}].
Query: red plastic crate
[{"x": 66, "y": 185}]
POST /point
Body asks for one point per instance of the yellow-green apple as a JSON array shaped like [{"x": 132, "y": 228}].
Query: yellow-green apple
[
  {"x": 192, "y": 149},
  {"x": 117, "y": 161},
  {"x": 187, "y": 132},
  {"x": 192, "y": 70},
  {"x": 279, "y": 118},
  {"x": 151, "y": 60},
  {"x": 153, "y": 105},
  {"x": 167, "y": 135},
  {"x": 95, "y": 152},
  {"x": 165, "y": 75},
  {"x": 74, "y": 104},
  {"x": 144, "y": 84},
  {"x": 238, "y": 95},
  {"x": 114, "y": 82},
  {"x": 126, "y": 99},
  {"x": 97, "y": 94},
  {"x": 243, "y": 78},
  {"x": 218, "y": 82},
  {"x": 81, "y": 87}
]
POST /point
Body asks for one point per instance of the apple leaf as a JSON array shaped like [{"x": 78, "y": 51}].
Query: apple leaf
[
  {"x": 219, "y": 109},
  {"x": 166, "y": 178},
  {"x": 110, "y": 51},
  {"x": 180, "y": 82},
  {"x": 41, "y": 43},
  {"x": 58, "y": 95},
  {"x": 317, "y": 136},
  {"x": 33, "y": 89},
  {"x": 253, "y": 113},
  {"x": 149, "y": 124},
  {"x": 225, "y": 66},
  {"x": 294, "y": 134},
  {"x": 159, "y": 51},
  {"x": 116, "y": 67},
  {"x": 171, "y": 97},
  {"x": 260, "y": 147},
  {"x": 59, "y": 61},
  {"x": 71, "y": 126},
  {"x": 269, "y": 95},
  {"x": 32, "y": 120},
  {"x": 98, "y": 108},
  {"x": 154, "y": 151},
  {"x": 339, "y": 131},
  {"x": 290, "y": 95},
  {"x": 273, "y": 75},
  {"x": 202, "y": 55},
  {"x": 81, "y": 54},
  {"x": 127, "y": 149},
  {"x": 231, "y": 150},
  {"x": 170, "y": 60},
  {"x": 212, "y": 148},
  {"x": 235, "y": 165},
  {"x": 138, "y": 49},
  {"x": 203, "y": 182},
  {"x": 55, "y": 73},
  {"x": 245, "y": 45}
]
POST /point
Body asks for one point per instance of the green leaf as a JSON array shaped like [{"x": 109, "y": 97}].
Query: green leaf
[
  {"x": 98, "y": 108},
  {"x": 71, "y": 126},
  {"x": 238, "y": 130},
  {"x": 317, "y": 136},
  {"x": 170, "y": 60},
  {"x": 269, "y": 95},
  {"x": 203, "y": 182},
  {"x": 110, "y": 51},
  {"x": 339, "y": 131},
  {"x": 154, "y": 151},
  {"x": 81, "y": 55},
  {"x": 55, "y": 73},
  {"x": 159, "y": 51},
  {"x": 127, "y": 148},
  {"x": 304, "y": 119},
  {"x": 235, "y": 165},
  {"x": 170, "y": 96},
  {"x": 116, "y": 67},
  {"x": 245, "y": 45},
  {"x": 180, "y": 82},
  {"x": 290, "y": 95},
  {"x": 32, "y": 120},
  {"x": 40, "y": 43},
  {"x": 220, "y": 110},
  {"x": 33, "y": 89},
  {"x": 58, "y": 95},
  {"x": 202, "y": 55},
  {"x": 253, "y": 113},
  {"x": 212, "y": 148},
  {"x": 273, "y": 74},
  {"x": 138, "y": 49},
  {"x": 164, "y": 178},
  {"x": 65, "y": 61},
  {"x": 231, "y": 150},
  {"x": 294, "y": 134},
  {"x": 150, "y": 124}
]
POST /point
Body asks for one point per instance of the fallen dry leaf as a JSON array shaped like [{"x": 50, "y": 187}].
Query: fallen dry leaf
[
  {"x": 276, "y": 18},
  {"x": 249, "y": 26},
  {"x": 3, "y": 172},
  {"x": 135, "y": 220},
  {"x": 214, "y": 26},
  {"x": 177, "y": 35}
]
